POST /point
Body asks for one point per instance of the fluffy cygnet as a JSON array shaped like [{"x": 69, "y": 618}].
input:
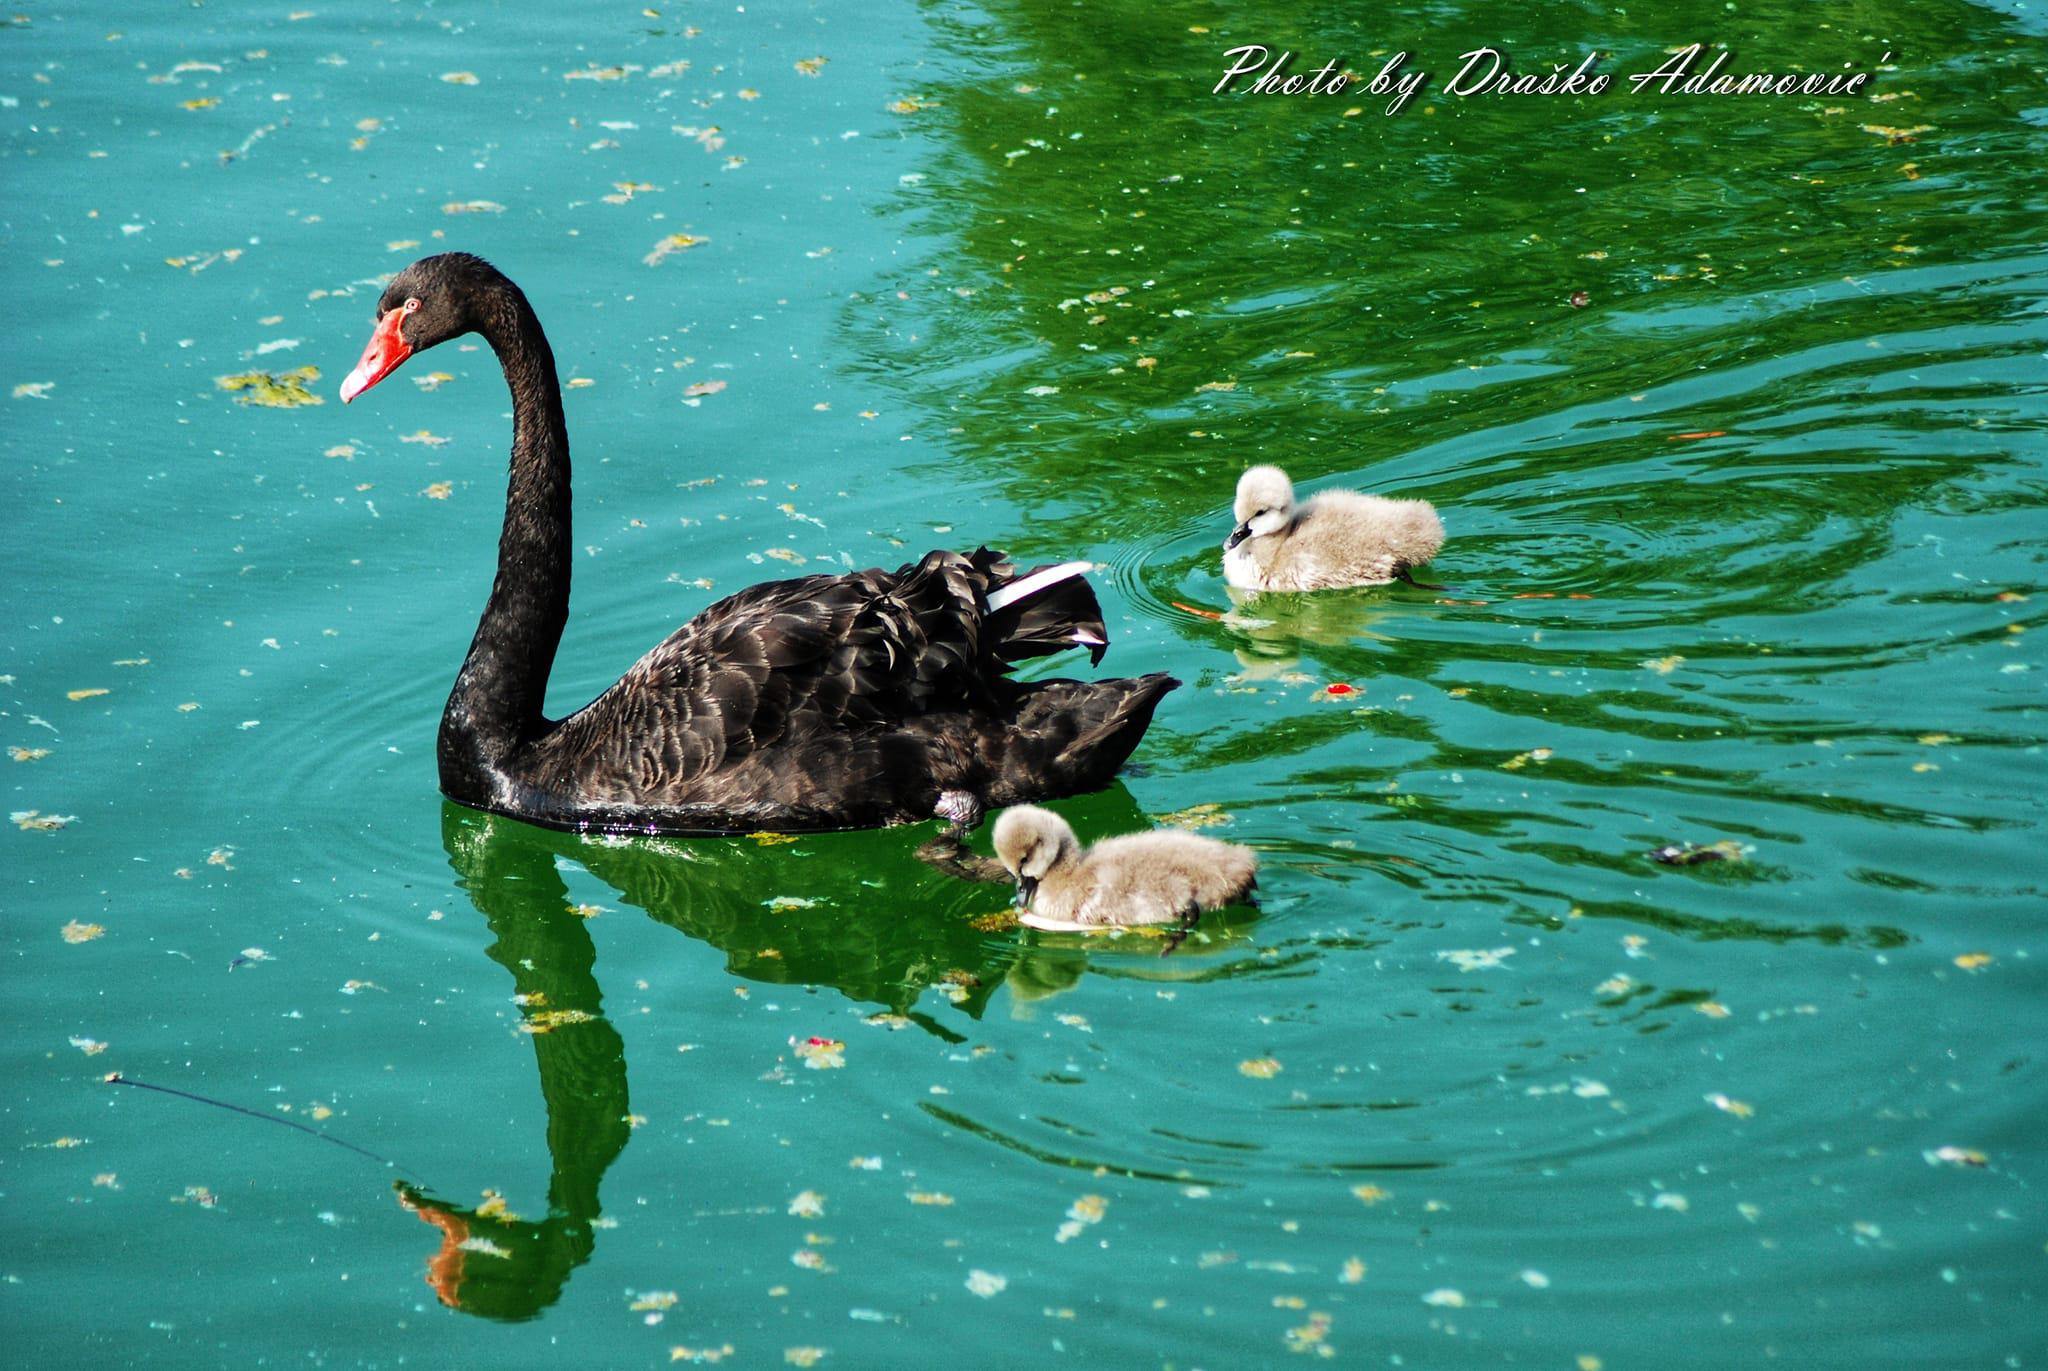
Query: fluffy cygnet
[
  {"x": 1334, "y": 538},
  {"x": 1141, "y": 878}
]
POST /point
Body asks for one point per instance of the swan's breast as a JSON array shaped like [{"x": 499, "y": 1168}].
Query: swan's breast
[{"x": 1240, "y": 570}]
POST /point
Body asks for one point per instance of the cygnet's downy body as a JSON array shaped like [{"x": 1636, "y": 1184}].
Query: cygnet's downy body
[
  {"x": 1334, "y": 538},
  {"x": 1165, "y": 876}
]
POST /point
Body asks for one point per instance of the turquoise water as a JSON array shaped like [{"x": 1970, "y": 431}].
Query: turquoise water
[{"x": 1744, "y": 549}]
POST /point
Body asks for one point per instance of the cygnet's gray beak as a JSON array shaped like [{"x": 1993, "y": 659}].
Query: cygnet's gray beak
[
  {"x": 1026, "y": 888},
  {"x": 1237, "y": 535}
]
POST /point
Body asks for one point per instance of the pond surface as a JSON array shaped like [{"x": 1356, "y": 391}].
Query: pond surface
[{"x": 1733, "y": 408}]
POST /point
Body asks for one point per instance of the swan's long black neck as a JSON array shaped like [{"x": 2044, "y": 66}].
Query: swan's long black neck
[{"x": 496, "y": 703}]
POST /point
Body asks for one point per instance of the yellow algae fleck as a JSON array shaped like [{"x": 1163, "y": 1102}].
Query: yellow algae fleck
[{"x": 273, "y": 390}]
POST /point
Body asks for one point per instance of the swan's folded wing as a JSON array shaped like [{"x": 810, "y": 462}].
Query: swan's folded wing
[{"x": 790, "y": 660}]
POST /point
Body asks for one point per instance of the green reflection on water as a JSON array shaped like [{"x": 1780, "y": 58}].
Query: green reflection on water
[{"x": 1747, "y": 547}]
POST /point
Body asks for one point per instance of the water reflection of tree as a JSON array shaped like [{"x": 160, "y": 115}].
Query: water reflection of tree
[{"x": 1370, "y": 286}]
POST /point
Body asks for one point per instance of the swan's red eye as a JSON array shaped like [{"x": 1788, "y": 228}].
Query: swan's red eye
[{"x": 411, "y": 305}]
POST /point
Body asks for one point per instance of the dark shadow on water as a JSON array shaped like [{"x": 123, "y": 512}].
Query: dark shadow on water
[
  {"x": 857, "y": 912},
  {"x": 491, "y": 1262}
]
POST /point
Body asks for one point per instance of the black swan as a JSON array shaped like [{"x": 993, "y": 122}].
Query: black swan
[{"x": 825, "y": 702}]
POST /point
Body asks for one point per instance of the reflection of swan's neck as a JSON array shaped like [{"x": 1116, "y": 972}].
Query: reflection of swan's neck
[{"x": 496, "y": 702}]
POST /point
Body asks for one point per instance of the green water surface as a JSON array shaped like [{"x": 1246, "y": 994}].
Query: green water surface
[{"x": 1733, "y": 409}]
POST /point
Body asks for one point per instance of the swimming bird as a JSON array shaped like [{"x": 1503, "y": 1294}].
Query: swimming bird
[
  {"x": 1163, "y": 876},
  {"x": 1334, "y": 538},
  {"x": 876, "y": 697}
]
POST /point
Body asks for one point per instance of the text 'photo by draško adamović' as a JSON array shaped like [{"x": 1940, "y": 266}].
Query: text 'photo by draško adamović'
[{"x": 1255, "y": 69}]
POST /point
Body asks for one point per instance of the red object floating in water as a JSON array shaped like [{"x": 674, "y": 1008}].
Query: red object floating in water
[
  {"x": 1205, "y": 613},
  {"x": 1709, "y": 433},
  {"x": 1580, "y": 299},
  {"x": 1339, "y": 688}
]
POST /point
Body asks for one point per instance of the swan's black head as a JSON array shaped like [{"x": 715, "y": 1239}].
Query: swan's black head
[{"x": 429, "y": 302}]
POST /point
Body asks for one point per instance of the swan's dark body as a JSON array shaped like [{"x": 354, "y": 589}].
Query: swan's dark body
[{"x": 818, "y": 703}]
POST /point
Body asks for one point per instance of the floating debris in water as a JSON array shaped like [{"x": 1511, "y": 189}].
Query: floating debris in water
[
  {"x": 1081, "y": 1214},
  {"x": 273, "y": 390},
  {"x": 820, "y": 1054},
  {"x": 1208, "y": 815},
  {"x": 1693, "y": 854},
  {"x": 675, "y": 242},
  {"x": 548, "y": 1020},
  {"x": 1312, "y": 1337},
  {"x": 1470, "y": 959}
]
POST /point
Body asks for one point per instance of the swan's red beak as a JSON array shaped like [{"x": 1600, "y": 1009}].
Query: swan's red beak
[{"x": 386, "y": 350}]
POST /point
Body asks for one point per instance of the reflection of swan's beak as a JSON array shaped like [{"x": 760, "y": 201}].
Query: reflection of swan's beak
[
  {"x": 1237, "y": 535},
  {"x": 386, "y": 350},
  {"x": 445, "y": 1269},
  {"x": 1026, "y": 888}
]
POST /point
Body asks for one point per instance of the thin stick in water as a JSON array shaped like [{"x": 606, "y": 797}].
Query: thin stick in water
[{"x": 116, "y": 1078}]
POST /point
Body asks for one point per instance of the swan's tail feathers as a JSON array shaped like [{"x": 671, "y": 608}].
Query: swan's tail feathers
[
  {"x": 1034, "y": 581},
  {"x": 1115, "y": 734},
  {"x": 1047, "y": 609},
  {"x": 1071, "y": 736}
]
